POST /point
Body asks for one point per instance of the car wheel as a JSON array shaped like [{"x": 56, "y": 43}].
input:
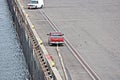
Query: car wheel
[
  {"x": 62, "y": 44},
  {"x": 41, "y": 6},
  {"x": 49, "y": 42},
  {"x": 35, "y": 7}
]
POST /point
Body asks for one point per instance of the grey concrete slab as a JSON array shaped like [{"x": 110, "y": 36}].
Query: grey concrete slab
[{"x": 92, "y": 26}]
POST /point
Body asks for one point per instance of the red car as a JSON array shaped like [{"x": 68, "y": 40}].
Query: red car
[{"x": 55, "y": 38}]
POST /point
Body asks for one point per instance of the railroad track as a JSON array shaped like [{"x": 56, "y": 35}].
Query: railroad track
[{"x": 76, "y": 54}]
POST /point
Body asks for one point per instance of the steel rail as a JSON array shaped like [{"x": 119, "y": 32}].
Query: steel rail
[
  {"x": 76, "y": 54},
  {"x": 62, "y": 63},
  {"x": 57, "y": 49}
]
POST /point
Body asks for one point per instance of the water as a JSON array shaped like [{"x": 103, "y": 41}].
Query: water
[{"x": 12, "y": 62}]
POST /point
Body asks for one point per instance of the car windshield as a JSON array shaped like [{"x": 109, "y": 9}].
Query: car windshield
[
  {"x": 34, "y": 2},
  {"x": 56, "y": 35}
]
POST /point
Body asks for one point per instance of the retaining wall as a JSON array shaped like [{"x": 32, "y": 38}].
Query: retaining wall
[
  {"x": 40, "y": 64},
  {"x": 34, "y": 67}
]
